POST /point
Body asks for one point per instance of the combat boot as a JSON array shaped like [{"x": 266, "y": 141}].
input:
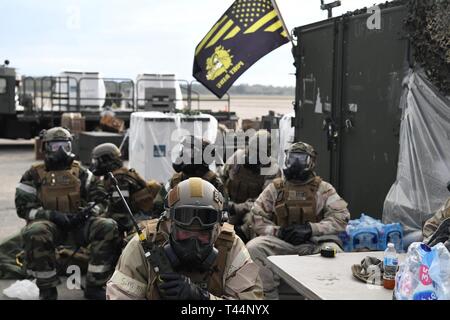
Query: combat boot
[
  {"x": 48, "y": 294},
  {"x": 95, "y": 293}
]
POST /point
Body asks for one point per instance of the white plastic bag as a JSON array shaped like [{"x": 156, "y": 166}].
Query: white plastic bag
[
  {"x": 23, "y": 290},
  {"x": 425, "y": 274}
]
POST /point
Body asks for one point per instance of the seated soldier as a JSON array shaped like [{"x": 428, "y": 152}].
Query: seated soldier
[
  {"x": 49, "y": 197},
  {"x": 432, "y": 225},
  {"x": 192, "y": 161},
  {"x": 200, "y": 258},
  {"x": 246, "y": 174},
  {"x": 296, "y": 214},
  {"x": 146, "y": 199}
]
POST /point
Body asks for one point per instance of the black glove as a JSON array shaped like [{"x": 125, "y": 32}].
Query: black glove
[
  {"x": 175, "y": 286},
  {"x": 239, "y": 211},
  {"x": 296, "y": 234},
  {"x": 231, "y": 208},
  {"x": 78, "y": 220},
  {"x": 61, "y": 219}
]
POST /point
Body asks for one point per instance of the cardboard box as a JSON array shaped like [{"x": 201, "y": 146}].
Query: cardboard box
[
  {"x": 75, "y": 122},
  {"x": 251, "y": 124},
  {"x": 112, "y": 124}
]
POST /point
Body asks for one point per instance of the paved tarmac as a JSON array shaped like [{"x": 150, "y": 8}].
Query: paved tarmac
[{"x": 16, "y": 156}]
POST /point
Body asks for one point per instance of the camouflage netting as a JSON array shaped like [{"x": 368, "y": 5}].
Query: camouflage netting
[{"x": 428, "y": 25}]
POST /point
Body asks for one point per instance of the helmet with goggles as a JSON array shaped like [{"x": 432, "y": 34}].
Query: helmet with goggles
[
  {"x": 54, "y": 138},
  {"x": 57, "y": 147},
  {"x": 194, "y": 208},
  {"x": 300, "y": 161}
]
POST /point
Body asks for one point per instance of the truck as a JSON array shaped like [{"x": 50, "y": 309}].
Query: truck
[{"x": 29, "y": 104}]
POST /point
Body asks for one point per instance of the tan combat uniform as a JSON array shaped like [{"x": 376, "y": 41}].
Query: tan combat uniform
[
  {"x": 236, "y": 275},
  {"x": 241, "y": 183},
  {"x": 285, "y": 203},
  {"x": 434, "y": 222}
]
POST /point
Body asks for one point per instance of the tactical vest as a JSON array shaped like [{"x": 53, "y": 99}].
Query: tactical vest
[
  {"x": 143, "y": 199},
  {"x": 180, "y": 176},
  {"x": 297, "y": 204},
  {"x": 212, "y": 282},
  {"x": 245, "y": 185},
  {"x": 60, "y": 190}
]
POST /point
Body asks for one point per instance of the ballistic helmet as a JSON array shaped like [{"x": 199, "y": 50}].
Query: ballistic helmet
[{"x": 194, "y": 208}]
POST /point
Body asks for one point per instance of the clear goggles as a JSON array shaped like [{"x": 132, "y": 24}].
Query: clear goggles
[
  {"x": 186, "y": 215},
  {"x": 54, "y": 146},
  {"x": 298, "y": 159}
]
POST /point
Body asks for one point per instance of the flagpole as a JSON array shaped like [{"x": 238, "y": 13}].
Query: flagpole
[{"x": 275, "y": 6}]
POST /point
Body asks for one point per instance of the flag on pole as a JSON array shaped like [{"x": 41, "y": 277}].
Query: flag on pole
[{"x": 247, "y": 31}]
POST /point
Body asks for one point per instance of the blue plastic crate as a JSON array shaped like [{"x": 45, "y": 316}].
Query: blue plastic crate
[
  {"x": 391, "y": 233},
  {"x": 371, "y": 234},
  {"x": 361, "y": 238}
]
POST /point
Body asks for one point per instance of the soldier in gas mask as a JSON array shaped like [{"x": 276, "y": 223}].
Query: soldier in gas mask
[
  {"x": 146, "y": 199},
  {"x": 203, "y": 259},
  {"x": 193, "y": 159},
  {"x": 49, "y": 197},
  {"x": 297, "y": 214},
  {"x": 246, "y": 174}
]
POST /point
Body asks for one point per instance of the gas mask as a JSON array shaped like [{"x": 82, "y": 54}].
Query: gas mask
[
  {"x": 192, "y": 237},
  {"x": 102, "y": 165},
  {"x": 190, "y": 158},
  {"x": 58, "y": 155},
  {"x": 258, "y": 152},
  {"x": 98, "y": 168},
  {"x": 298, "y": 166}
]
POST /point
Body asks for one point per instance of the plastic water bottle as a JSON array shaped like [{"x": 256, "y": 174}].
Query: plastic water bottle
[{"x": 390, "y": 266}]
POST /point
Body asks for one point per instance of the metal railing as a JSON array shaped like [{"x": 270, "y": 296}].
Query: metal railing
[{"x": 51, "y": 95}]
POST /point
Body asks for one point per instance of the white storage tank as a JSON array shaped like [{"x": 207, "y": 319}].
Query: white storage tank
[
  {"x": 91, "y": 86},
  {"x": 162, "y": 81}
]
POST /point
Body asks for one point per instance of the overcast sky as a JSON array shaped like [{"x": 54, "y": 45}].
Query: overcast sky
[{"x": 124, "y": 38}]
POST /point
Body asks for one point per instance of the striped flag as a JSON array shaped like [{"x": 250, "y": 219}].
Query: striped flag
[{"x": 247, "y": 31}]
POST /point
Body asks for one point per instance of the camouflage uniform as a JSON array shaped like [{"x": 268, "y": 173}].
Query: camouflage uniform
[
  {"x": 135, "y": 280},
  {"x": 332, "y": 217},
  {"x": 41, "y": 236},
  {"x": 146, "y": 199},
  {"x": 434, "y": 222},
  {"x": 242, "y": 184}
]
